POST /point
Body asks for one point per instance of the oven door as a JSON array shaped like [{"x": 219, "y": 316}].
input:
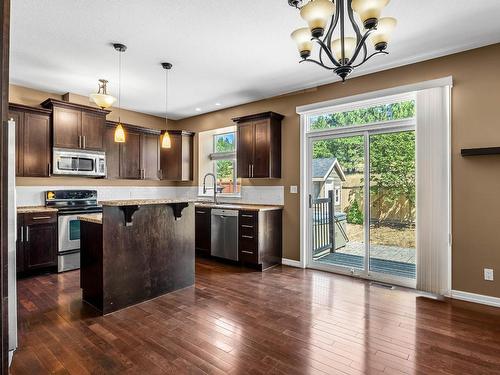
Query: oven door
[{"x": 69, "y": 233}]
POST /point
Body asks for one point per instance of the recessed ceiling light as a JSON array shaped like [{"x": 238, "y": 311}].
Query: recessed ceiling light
[
  {"x": 198, "y": 109},
  {"x": 217, "y": 104}
]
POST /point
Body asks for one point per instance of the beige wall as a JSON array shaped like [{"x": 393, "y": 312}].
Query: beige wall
[
  {"x": 31, "y": 97},
  {"x": 475, "y": 181}
]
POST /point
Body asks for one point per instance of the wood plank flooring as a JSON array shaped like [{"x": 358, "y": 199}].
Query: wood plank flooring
[{"x": 237, "y": 321}]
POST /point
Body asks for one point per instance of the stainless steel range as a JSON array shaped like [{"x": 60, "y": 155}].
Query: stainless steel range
[{"x": 70, "y": 204}]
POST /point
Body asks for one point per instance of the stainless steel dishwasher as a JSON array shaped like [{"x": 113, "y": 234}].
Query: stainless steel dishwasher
[{"x": 225, "y": 234}]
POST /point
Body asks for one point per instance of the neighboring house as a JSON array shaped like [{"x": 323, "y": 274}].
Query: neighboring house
[{"x": 328, "y": 176}]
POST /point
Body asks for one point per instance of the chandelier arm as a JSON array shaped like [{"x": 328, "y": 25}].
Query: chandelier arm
[
  {"x": 356, "y": 29},
  {"x": 333, "y": 25},
  {"x": 327, "y": 51},
  {"x": 369, "y": 57},
  {"x": 317, "y": 62},
  {"x": 360, "y": 45}
]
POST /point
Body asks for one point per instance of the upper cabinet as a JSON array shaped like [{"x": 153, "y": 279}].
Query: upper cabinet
[
  {"x": 32, "y": 140},
  {"x": 259, "y": 145},
  {"x": 176, "y": 163},
  {"x": 77, "y": 126},
  {"x": 136, "y": 159}
]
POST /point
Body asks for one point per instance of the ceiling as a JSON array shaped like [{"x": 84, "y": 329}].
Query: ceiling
[{"x": 226, "y": 51}]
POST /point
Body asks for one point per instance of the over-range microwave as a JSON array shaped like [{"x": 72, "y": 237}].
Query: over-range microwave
[{"x": 79, "y": 163}]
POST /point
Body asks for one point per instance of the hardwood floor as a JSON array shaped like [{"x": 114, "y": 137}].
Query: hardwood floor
[{"x": 237, "y": 321}]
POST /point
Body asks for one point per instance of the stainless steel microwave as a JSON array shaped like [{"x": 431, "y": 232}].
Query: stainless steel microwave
[{"x": 79, "y": 163}]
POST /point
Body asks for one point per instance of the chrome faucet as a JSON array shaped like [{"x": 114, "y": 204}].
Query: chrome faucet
[{"x": 215, "y": 186}]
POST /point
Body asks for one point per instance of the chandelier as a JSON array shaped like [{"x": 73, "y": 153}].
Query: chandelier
[{"x": 339, "y": 52}]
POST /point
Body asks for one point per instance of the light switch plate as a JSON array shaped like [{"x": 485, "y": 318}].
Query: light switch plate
[
  {"x": 294, "y": 189},
  {"x": 488, "y": 274}
]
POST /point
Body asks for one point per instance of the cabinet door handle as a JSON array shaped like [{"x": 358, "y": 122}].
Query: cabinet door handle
[
  {"x": 249, "y": 171},
  {"x": 48, "y": 169},
  {"x": 252, "y": 170},
  {"x": 79, "y": 141},
  {"x": 41, "y": 218},
  {"x": 247, "y": 252},
  {"x": 84, "y": 139},
  {"x": 22, "y": 234},
  {"x": 27, "y": 233},
  {"x": 251, "y": 237}
]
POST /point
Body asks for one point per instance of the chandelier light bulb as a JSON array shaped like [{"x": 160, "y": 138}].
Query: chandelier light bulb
[
  {"x": 369, "y": 11},
  {"x": 382, "y": 36},
  {"x": 302, "y": 38},
  {"x": 317, "y": 13}
]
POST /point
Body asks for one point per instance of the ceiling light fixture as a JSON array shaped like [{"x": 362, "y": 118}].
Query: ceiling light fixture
[
  {"x": 344, "y": 53},
  {"x": 119, "y": 131},
  {"x": 165, "y": 139},
  {"x": 102, "y": 98},
  {"x": 197, "y": 109}
]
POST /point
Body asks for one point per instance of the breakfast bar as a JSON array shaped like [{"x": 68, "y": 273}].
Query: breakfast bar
[{"x": 135, "y": 251}]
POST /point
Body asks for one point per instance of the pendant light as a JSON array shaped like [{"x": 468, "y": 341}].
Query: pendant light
[
  {"x": 165, "y": 140},
  {"x": 102, "y": 98},
  {"x": 119, "y": 131}
]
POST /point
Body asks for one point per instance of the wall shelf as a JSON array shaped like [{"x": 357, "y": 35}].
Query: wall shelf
[{"x": 480, "y": 151}]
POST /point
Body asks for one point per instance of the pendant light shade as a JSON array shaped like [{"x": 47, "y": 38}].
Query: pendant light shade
[
  {"x": 119, "y": 134},
  {"x": 119, "y": 131},
  {"x": 369, "y": 11},
  {"x": 382, "y": 36},
  {"x": 165, "y": 139},
  {"x": 302, "y": 37},
  {"x": 317, "y": 13},
  {"x": 349, "y": 47},
  {"x": 102, "y": 98}
]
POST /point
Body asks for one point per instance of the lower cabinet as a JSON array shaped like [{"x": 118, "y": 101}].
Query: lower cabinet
[
  {"x": 203, "y": 232},
  {"x": 36, "y": 241},
  {"x": 260, "y": 238}
]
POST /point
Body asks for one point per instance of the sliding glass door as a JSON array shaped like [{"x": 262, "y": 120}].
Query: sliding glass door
[{"x": 361, "y": 191}]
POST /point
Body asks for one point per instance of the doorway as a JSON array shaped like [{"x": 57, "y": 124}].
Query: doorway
[{"x": 362, "y": 192}]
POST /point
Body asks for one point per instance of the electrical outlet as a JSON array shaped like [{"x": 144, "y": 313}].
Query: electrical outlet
[
  {"x": 488, "y": 274},
  {"x": 294, "y": 189}
]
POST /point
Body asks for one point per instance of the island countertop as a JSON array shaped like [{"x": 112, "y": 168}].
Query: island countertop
[
  {"x": 91, "y": 218},
  {"x": 239, "y": 206},
  {"x": 143, "y": 202}
]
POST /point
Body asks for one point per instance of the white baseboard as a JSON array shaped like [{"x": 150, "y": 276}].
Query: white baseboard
[
  {"x": 291, "y": 263},
  {"x": 476, "y": 298}
]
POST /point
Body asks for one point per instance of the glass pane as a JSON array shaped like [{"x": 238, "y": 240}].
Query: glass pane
[
  {"x": 386, "y": 112},
  {"x": 85, "y": 164},
  {"x": 337, "y": 203},
  {"x": 74, "y": 230},
  {"x": 225, "y": 170},
  {"x": 392, "y": 204},
  {"x": 224, "y": 142}
]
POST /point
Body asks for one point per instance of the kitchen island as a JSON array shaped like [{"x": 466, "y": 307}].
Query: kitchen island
[{"x": 135, "y": 251}]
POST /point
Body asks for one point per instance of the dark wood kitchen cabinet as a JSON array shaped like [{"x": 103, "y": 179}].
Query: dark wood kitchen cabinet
[
  {"x": 260, "y": 238},
  {"x": 259, "y": 145},
  {"x": 77, "y": 126},
  {"x": 203, "y": 230},
  {"x": 36, "y": 241},
  {"x": 136, "y": 159},
  {"x": 33, "y": 147},
  {"x": 176, "y": 163}
]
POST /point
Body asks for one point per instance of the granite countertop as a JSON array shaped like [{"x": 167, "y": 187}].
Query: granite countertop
[
  {"x": 143, "y": 202},
  {"x": 91, "y": 218},
  {"x": 239, "y": 206},
  {"x": 34, "y": 209}
]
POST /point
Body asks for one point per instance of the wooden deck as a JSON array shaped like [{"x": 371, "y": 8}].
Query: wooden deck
[{"x": 236, "y": 321}]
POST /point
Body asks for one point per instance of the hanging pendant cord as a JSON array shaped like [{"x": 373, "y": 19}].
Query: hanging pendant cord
[
  {"x": 119, "y": 86},
  {"x": 166, "y": 99}
]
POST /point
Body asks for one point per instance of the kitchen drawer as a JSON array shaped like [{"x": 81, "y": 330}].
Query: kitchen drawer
[
  {"x": 248, "y": 255},
  {"x": 247, "y": 230},
  {"x": 40, "y": 218},
  {"x": 248, "y": 218}
]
